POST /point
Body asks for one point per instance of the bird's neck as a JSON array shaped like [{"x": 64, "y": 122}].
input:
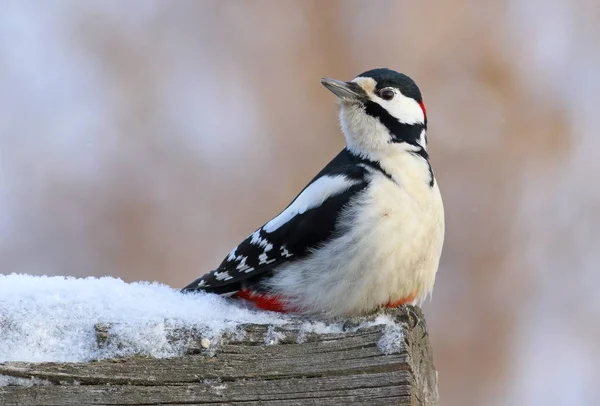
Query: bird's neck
[
  {"x": 404, "y": 163},
  {"x": 376, "y": 147},
  {"x": 402, "y": 155}
]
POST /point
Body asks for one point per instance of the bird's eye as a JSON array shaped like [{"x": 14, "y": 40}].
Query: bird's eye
[{"x": 386, "y": 94}]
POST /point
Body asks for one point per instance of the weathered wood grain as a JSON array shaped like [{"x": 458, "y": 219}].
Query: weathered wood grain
[{"x": 301, "y": 369}]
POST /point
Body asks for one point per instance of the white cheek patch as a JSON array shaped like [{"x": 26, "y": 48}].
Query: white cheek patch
[{"x": 407, "y": 110}]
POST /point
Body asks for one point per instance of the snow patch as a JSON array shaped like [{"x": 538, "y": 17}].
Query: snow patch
[
  {"x": 44, "y": 319},
  {"x": 273, "y": 337},
  {"x": 319, "y": 327},
  {"x": 392, "y": 340},
  {"x": 55, "y": 319}
]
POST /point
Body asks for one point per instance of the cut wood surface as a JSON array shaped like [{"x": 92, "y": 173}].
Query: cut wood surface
[{"x": 375, "y": 365}]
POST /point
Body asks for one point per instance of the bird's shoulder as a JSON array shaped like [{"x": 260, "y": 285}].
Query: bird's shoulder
[{"x": 345, "y": 164}]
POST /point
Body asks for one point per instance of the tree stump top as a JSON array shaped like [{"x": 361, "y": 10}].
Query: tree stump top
[{"x": 385, "y": 364}]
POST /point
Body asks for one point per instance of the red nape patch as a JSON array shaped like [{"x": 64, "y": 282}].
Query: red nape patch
[
  {"x": 402, "y": 301},
  {"x": 265, "y": 302},
  {"x": 423, "y": 108}
]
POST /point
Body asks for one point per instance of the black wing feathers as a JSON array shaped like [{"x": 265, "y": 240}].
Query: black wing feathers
[{"x": 258, "y": 255}]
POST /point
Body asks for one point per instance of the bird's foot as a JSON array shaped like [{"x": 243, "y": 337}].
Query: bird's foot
[{"x": 411, "y": 315}]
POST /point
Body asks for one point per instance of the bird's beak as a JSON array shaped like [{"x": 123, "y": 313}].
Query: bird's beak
[{"x": 347, "y": 91}]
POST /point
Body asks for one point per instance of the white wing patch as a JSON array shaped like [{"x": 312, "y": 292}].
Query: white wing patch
[
  {"x": 258, "y": 240},
  {"x": 264, "y": 259},
  {"x": 313, "y": 196},
  {"x": 223, "y": 276},
  {"x": 285, "y": 252},
  {"x": 231, "y": 255},
  {"x": 242, "y": 267}
]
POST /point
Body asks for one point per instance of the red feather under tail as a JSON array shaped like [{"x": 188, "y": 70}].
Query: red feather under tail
[
  {"x": 274, "y": 303},
  {"x": 402, "y": 301},
  {"x": 263, "y": 301}
]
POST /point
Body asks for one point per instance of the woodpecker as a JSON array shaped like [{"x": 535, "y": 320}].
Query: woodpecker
[{"x": 366, "y": 232}]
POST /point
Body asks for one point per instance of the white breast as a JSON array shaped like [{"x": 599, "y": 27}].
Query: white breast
[{"x": 391, "y": 250}]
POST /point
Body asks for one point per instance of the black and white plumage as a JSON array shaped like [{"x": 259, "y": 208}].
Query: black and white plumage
[{"x": 366, "y": 232}]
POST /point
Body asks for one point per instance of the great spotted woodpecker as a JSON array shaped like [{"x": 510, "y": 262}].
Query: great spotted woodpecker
[{"x": 366, "y": 232}]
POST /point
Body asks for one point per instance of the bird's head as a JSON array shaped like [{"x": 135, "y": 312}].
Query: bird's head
[{"x": 381, "y": 107}]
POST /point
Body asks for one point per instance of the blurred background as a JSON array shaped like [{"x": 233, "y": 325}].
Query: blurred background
[{"x": 144, "y": 139}]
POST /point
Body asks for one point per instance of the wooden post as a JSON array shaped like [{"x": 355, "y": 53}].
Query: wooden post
[{"x": 377, "y": 365}]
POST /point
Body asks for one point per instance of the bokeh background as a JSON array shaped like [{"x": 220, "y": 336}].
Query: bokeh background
[{"x": 143, "y": 139}]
